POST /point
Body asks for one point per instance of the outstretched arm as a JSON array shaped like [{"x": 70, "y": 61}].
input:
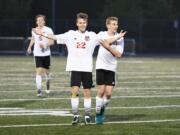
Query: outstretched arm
[
  {"x": 106, "y": 45},
  {"x": 50, "y": 41},
  {"x": 45, "y": 46},
  {"x": 116, "y": 37},
  {"x": 49, "y": 36}
]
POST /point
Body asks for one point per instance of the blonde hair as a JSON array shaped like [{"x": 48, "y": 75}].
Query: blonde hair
[{"x": 111, "y": 18}]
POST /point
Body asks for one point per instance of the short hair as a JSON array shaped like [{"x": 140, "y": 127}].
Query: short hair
[
  {"x": 82, "y": 16},
  {"x": 40, "y": 15},
  {"x": 111, "y": 18}
]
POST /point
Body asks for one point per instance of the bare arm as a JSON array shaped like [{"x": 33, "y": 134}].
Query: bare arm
[
  {"x": 116, "y": 37},
  {"x": 29, "y": 50},
  {"x": 50, "y": 37},
  {"x": 106, "y": 45},
  {"x": 50, "y": 41}
]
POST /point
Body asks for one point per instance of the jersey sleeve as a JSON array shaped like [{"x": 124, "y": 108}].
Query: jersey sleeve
[
  {"x": 62, "y": 38},
  {"x": 96, "y": 37},
  {"x": 100, "y": 36},
  {"x": 120, "y": 45},
  {"x": 50, "y": 31}
]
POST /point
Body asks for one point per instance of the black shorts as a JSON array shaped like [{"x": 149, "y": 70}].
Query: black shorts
[
  {"x": 85, "y": 78},
  {"x": 105, "y": 77},
  {"x": 43, "y": 62}
]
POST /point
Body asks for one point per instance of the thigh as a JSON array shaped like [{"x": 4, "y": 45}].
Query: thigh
[
  {"x": 39, "y": 71},
  {"x": 108, "y": 91},
  {"x": 75, "y": 78}
]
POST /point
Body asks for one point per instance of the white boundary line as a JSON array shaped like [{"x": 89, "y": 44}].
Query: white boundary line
[
  {"x": 140, "y": 93},
  {"x": 106, "y": 123},
  {"x": 23, "y": 110},
  {"x": 67, "y": 82},
  {"x": 32, "y": 73},
  {"x": 150, "y": 96},
  {"x": 66, "y": 98},
  {"x": 149, "y": 121},
  {"x": 119, "y": 77},
  {"x": 122, "y": 89}
]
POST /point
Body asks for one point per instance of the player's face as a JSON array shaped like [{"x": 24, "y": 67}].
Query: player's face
[
  {"x": 81, "y": 24},
  {"x": 112, "y": 26},
  {"x": 40, "y": 21}
]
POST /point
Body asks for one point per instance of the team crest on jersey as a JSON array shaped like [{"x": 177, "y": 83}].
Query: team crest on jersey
[
  {"x": 87, "y": 38},
  {"x": 75, "y": 38}
]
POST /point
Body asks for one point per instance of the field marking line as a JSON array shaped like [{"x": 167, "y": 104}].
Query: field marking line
[
  {"x": 67, "y": 98},
  {"x": 66, "y": 111},
  {"x": 106, "y": 123}
]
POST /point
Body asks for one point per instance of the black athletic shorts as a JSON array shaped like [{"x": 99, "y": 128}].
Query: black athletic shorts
[
  {"x": 85, "y": 78},
  {"x": 43, "y": 62},
  {"x": 105, "y": 77}
]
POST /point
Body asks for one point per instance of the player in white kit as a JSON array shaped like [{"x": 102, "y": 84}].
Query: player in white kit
[
  {"x": 80, "y": 44},
  {"x": 106, "y": 66},
  {"x": 41, "y": 53}
]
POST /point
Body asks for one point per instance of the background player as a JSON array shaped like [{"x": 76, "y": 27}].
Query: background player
[{"x": 41, "y": 53}]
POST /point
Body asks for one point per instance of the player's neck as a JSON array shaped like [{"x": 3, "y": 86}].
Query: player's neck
[
  {"x": 81, "y": 31},
  {"x": 40, "y": 27},
  {"x": 110, "y": 33}
]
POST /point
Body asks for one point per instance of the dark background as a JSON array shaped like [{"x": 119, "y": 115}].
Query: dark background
[{"x": 154, "y": 24}]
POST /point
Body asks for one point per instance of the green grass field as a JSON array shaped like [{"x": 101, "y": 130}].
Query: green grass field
[{"x": 146, "y": 99}]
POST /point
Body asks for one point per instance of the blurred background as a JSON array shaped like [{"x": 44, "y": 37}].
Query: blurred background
[{"x": 152, "y": 25}]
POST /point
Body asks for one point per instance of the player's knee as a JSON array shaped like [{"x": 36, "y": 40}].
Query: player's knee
[
  {"x": 74, "y": 95},
  {"x": 100, "y": 94},
  {"x": 108, "y": 96},
  {"x": 39, "y": 71},
  {"x": 87, "y": 93},
  {"x": 46, "y": 71}
]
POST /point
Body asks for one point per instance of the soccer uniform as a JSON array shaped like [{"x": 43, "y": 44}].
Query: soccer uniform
[
  {"x": 106, "y": 63},
  {"x": 42, "y": 56},
  {"x": 79, "y": 60}
]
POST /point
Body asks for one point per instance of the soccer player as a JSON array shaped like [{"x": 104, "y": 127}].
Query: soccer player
[
  {"x": 41, "y": 53},
  {"x": 80, "y": 44},
  {"x": 106, "y": 66}
]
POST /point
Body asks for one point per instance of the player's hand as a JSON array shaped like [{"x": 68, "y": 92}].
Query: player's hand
[
  {"x": 122, "y": 33},
  {"x": 29, "y": 51},
  {"x": 104, "y": 43}
]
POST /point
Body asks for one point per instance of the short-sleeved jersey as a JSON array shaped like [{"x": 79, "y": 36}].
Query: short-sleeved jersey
[
  {"x": 80, "y": 49},
  {"x": 41, "y": 40},
  {"x": 105, "y": 60}
]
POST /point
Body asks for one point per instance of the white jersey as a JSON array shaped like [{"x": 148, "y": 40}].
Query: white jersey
[
  {"x": 105, "y": 60},
  {"x": 41, "y": 40},
  {"x": 80, "y": 49}
]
